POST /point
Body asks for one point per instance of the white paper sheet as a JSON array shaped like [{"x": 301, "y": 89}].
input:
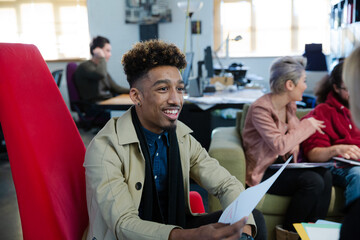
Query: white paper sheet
[
  {"x": 247, "y": 200},
  {"x": 322, "y": 221},
  {"x": 322, "y": 231}
]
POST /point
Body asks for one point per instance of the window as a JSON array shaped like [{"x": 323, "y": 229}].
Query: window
[
  {"x": 270, "y": 28},
  {"x": 59, "y": 28}
]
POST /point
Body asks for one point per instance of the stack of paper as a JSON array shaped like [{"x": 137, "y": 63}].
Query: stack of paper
[
  {"x": 317, "y": 231},
  {"x": 303, "y": 165}
]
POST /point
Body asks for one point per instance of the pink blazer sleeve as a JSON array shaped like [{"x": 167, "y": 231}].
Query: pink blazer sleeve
[{"x": 276, "y": 140}]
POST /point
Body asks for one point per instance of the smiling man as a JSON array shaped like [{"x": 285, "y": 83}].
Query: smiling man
[
  {"x": 139, "y": 165},
  {"x": 160, "y": 99}
]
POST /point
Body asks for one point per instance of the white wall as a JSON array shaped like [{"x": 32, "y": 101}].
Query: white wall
[{"x": 107, "y": 18}]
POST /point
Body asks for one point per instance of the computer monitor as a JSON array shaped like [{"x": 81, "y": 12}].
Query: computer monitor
[
  {"x": 208, "y": 62},
  {"x": 186, "y": 72}
]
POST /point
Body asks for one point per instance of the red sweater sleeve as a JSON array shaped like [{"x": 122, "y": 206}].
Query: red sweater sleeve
[{"x": 331, "y": 118}]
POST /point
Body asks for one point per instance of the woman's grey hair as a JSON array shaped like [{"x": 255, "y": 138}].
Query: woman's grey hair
[{"x": 283, "y": 69}]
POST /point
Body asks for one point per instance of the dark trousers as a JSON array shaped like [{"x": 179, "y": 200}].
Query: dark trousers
[
  {"x": 350, "y": 226},
  {"x": 310, "y": 190},
  {"x": 197, "y": 221}
]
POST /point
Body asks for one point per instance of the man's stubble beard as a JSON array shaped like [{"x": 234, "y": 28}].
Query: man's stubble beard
[{"x": 171, "y": 126}]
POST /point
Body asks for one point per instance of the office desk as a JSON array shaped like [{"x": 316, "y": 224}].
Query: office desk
[
  {"x": 197, "y": 113},
  {"x": 120, "y": 102}
]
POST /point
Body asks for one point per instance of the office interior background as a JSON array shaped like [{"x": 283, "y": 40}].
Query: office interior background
[{"x": 62, "y": 30}]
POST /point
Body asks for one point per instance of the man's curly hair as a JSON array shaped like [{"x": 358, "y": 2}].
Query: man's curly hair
[{"x": 147, "y": 55}]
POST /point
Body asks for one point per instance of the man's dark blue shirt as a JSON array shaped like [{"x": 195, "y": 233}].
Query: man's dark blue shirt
[{"x": 158, "y": 147}]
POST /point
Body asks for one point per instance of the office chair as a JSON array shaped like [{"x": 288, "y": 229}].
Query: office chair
[
  {"x": 89, "y": 114},
  {"x": 316, "y": 60},
  {"x": 3, "y": 152},
  {"x": 309, "y": 100},
  {"x": 196, "y": 202},
  {"x": 57, "y": 75},
  {"x": 316, "y": 67},
  {"x": 45, "y": 150}
]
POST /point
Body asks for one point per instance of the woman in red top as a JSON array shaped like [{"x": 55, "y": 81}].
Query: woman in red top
[{"x": 341, "y": 138}]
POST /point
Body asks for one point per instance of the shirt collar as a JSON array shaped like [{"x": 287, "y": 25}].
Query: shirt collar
[
  {"x": 332, "y": 101},
  {"x": 152, "y": 137}
]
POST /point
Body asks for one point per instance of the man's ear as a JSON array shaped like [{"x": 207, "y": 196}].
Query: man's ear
[
  {"x": 135, "y": 96},
  {"x": 289, "y": 85}
]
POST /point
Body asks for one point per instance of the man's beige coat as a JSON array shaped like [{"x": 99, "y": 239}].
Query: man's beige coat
[{"x": 115, "y": 173}]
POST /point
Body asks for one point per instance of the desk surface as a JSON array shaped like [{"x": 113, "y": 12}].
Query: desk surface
[
  {"x": 227, "y": 97},
  {"x": 122, "y": 99},
  {"x": 237, "y": 97}
]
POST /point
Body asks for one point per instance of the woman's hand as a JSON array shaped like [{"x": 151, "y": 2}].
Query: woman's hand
[
  {"x": 348, "y": 151},
  {"x": 294, "y": 152},
  {"x": 318, "y": 125}
]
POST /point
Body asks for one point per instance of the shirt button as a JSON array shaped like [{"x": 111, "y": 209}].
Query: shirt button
[
  {"x": 157, "y": 154},
  {"x": 155, "y": 177},
  {"x": 138, "y": 185},
  {"x": 159, "y": 137}
]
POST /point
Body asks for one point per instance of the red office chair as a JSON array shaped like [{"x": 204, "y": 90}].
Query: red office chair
[
  {"x": 45, "y": 149},
  {"x": 196, "y": 202}
]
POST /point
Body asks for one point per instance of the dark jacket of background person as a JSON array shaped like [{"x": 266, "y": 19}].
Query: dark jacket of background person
[{"x": 94, "y": 83}]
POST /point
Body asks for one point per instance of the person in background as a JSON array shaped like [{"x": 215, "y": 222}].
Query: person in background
[
  {"x": 138, "y": 167},
  {"x": 351, "y": 76},
  {"x": 272, "y": 132},
  {"x": 341, "y": 138},
  {"x": 92, "y": 80}
]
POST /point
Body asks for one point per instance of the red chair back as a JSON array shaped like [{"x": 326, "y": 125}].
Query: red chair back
[
  {"x": 45, "y": 149},
  {"x": 196, "y": 202}
]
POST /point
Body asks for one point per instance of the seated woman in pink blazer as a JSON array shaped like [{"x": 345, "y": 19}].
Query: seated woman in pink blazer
[{"x": 272, "y": 133}]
